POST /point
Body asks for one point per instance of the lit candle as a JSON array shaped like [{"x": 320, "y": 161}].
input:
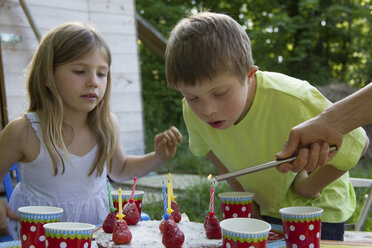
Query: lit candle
[
  {"x": 169, "y": 210},
  {"x": 165, "y": 203},
  {"x": 133, "y": 188},
  {"x": 120, "y": 214},
  {"x": 112, "y": 209},
  {"x": 212, "y": 199}
]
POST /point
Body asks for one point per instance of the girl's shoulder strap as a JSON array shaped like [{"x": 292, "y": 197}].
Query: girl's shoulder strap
[{"x": 35, "y": 123}]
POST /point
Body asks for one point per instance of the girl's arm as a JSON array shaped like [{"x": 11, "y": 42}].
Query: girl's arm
[
  {"x": 12, "y": 141},
  {"x": 127, "y": 167},
  {"x": 5, "y": 212}
]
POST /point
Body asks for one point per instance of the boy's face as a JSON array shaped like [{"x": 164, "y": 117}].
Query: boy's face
[{"x": 221, "y": 102}]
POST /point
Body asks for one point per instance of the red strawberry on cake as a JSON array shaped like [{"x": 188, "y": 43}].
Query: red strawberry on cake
[
  {"x": 212, "y": 226},
  {"x": 173, "y": 237},
  {"x": 176, "y": 214},
  {"x": 121, "y": 234},
  {"x": 161, "y": 226},
  {"x": 132, "y": 216},
  {"x": 109, "y": 223}
]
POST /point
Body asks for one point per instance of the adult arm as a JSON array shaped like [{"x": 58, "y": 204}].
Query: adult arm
[{"x": 311, "y": 139}]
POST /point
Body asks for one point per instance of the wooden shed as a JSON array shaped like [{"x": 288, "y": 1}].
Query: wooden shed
[{"x": 115, "y": 19}]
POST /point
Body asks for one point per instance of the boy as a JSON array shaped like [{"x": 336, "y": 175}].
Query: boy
[{"x": 239, "y": 116}]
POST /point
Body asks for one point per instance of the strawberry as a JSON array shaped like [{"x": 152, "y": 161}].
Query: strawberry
[
  {"x": 212, "y": 226},
  {"x": 173, "y": 237},
  {"x": 109, "y": 223},
  {"x": 131, "y": 213},
  {"x": 176, "y": 212},
  {"x": 121, "y": 234},
  {"x": 161, "y": 226}
]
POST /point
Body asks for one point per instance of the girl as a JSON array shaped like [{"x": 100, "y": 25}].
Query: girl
[{"x": 68, "y": 141}]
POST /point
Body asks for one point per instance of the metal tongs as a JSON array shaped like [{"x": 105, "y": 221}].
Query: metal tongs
[{"x": 260, "y": 167}]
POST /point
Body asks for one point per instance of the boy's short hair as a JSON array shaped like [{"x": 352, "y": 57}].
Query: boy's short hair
[{"x": 203, "y": 45}]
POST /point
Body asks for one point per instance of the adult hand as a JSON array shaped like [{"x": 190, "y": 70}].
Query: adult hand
[
  {"x": 5, "y": 212},
  {"x": 311, "y": 141},
  {"x": 166, "y": 143}
]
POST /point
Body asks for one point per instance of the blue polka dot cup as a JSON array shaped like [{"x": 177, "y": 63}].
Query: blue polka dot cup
[
  {"x": 32, "y": 219},
  {"x": 302, "y": 226},
  {"x": 68, "y": 234},
  {"x": 244, "y": 233},
  {"x": 236, "y": 204}
]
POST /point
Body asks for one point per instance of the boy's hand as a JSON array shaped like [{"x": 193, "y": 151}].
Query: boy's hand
[
  {"x": 166, "y": 143},
  {"x": 5, "y": 212},
  {"x": 302, "y": 187}
]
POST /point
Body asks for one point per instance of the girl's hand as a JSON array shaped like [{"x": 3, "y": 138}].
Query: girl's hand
[
  {"x": 166, "y": 143},
  {"x": 5, "y": 212}
]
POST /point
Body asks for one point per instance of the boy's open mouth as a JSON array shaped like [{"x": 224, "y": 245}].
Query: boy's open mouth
[{"x": 215, "y": 124}]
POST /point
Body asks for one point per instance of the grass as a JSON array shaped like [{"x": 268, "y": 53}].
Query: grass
[{"x": 194, "y": 200}]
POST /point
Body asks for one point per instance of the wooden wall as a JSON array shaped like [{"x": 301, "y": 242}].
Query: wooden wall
[{"x": 115, "y": 19}]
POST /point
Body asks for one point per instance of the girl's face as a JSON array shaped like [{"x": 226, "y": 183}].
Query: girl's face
[
  {"x": 82, "y": 83},
  {"x": 221, "y": 102}
]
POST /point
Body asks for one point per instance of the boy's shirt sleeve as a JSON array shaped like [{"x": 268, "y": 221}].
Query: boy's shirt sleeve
[{"x": 196, "y": 143}]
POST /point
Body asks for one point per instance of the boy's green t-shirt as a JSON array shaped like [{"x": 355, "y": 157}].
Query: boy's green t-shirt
[{"x": 281, "y": 102}]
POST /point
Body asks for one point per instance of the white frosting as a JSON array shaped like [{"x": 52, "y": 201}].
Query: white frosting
[{"x": 147, "y": 234}]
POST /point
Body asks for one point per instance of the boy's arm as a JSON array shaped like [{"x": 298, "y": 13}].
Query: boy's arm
[
  {"x": 311, "y": 185},
  {"x": 234, "y": 184}
]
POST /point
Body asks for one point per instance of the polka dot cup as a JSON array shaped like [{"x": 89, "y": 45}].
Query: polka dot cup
[
  {"x": 302, "y": 226},
  {"x": 244, "y": 233},
  {"x": 236, "y": 204},
  {"x": 125, "y": 196},
  {"x": 32, "y": 219},
  {"x": 68, "y": 234}
]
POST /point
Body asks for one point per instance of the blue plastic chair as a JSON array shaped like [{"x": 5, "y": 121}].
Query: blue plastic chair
[
  {"x": 8, "y": 188},
  {"x": 7, "y": 181}
]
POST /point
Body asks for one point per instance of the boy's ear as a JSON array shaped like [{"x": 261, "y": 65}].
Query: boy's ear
[{"x": 252, "y": 71}]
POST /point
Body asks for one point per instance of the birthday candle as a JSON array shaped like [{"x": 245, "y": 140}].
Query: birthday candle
[
  {"x": 112, "y": 209},
  {"x": 169, "y": 210},
  {"x": 171, "y": 187},
  {"x": 120, "y": 214},
  {"x": 165, "y": 202},
  {"x": 133, "y": 188},
  {"x": 212, "y": 199}
]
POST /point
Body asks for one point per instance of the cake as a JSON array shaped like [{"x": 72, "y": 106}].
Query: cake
[{"x": 147, "y": 234}]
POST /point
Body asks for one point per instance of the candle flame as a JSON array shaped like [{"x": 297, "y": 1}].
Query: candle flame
[{"x": 209, "y": 177}]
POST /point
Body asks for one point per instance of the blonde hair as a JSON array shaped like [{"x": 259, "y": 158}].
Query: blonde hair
[
  {"x": 63, "y": 44},
  {"x": 202, "y": 45}
]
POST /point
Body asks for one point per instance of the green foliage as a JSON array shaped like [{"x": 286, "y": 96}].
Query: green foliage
[{"x": 318, "y": 41}]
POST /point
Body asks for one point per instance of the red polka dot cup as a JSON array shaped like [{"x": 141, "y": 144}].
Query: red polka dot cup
[
  {"x": 244, "y": 233},
  {"x": 302, "y": 226},
  {"x": 125, "y": 196},
  {"x": 68, "y": 234},
  {"x": 236, "y": 204},
  {"x": 32, "y": 219}
]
